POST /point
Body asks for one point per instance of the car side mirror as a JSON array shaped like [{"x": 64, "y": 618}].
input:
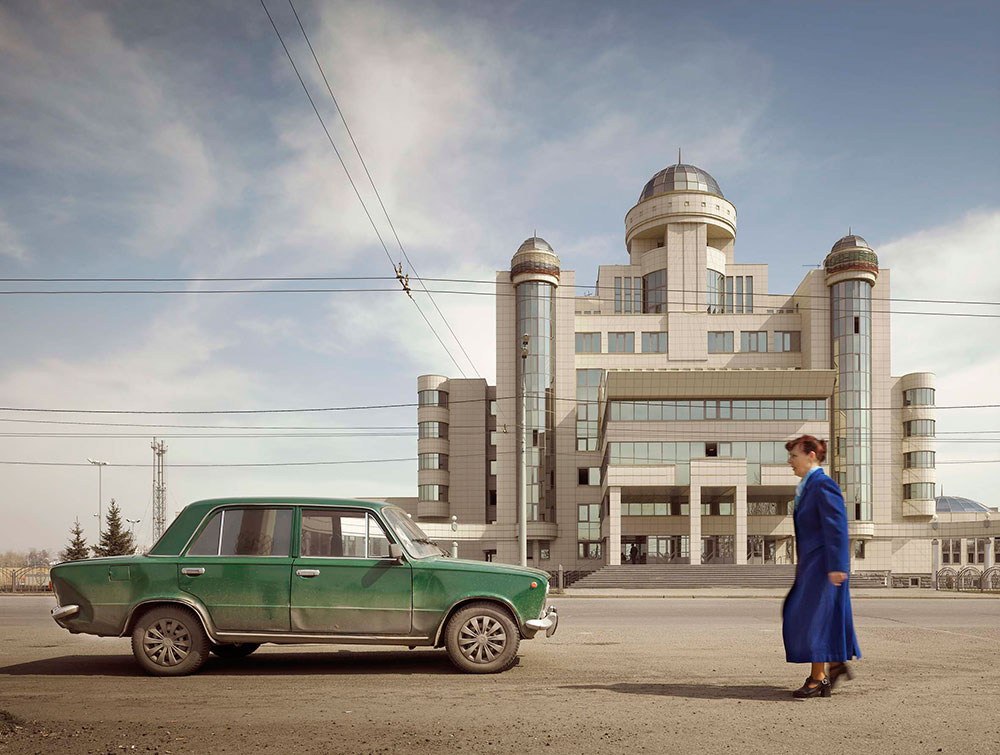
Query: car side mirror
[{"x": 396, "y": 552}]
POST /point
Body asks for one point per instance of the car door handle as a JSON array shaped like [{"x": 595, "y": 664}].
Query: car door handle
[
  {"x": 307, "y": 572},
  {"x": 193, "y": 571}
]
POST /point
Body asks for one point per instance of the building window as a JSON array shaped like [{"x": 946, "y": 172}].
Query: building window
[
  {"x": 951, "y": 550},
  {"x": 919, "y": 428},
  {"x": 493, "y": 408},
  {"x": 589, "y": 529},
  {"x": 739, "y": 295},
  {"x": 859, "y": 549},
  {"x": 918, "y": 397},
  {"x": 714, "y": 292},
  {"x": 432, "y": 429},
  {"x": 493, "y": 467},
  {"x": 918, "y": 460},
  {"x": 729, "y": 293},
  {"x": 788, "y": 340},
  {"x": 801, "y": 409},
  {"x": 922, "y": 491},
  {"x": 493, "y": 437},
  {"x": 618, "y": 296},
  {"x": 588, "y": 475},
  {"x": 748, "y": 293},
  {"x": 432, "y": 461},
  {"x": 977, "y": 549},
  {"x": 655, "y": 292},
  {"x": 544, "y": 550},
  {"x": 432, "y": 492},
  {"x": 432, "y": 398},
  {"x": 654, "y": 343},
  {"x": 588, "y": 383},
  {"x": 589, "y": 550},
  {"x": 588, "y": 343},
  {"x": 720, "y": 342},
  {"x": 753, "y": 340},
  {"x": 621, "y": 343}
]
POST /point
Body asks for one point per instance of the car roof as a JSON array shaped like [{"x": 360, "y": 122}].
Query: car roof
[{"x": 180, "y": 530}]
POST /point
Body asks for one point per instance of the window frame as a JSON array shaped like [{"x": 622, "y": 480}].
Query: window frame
[
  {"x": 221, "y": 510},
  {"x": 369, "y": 516}
]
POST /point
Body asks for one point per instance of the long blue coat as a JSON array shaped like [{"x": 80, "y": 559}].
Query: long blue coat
[{"x": 817, "y": 623}]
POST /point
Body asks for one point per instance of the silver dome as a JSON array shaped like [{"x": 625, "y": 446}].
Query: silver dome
[
  {"x": 534, "y": 242},
  {"x": 680, "y": 177},
  {"x": 956, "y": 505},
  {"x": 850, "y": 242}
]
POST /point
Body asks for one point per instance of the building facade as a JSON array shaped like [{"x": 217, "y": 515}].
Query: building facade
[{"x": 654, "y": 412}]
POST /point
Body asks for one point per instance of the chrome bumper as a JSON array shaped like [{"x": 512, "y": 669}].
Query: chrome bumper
[
  {"x": 64, "y": 612},
  {"x": 548, "y": 622}
]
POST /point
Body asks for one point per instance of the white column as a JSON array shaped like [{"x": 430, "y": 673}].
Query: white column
[
  {"x": 989, "y": 554},
  {"x": 741, "y": 524},
  {"x": 694, "y": 517},
  {"x": 614, "y": 526}
]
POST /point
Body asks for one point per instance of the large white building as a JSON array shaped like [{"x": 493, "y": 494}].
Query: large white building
[{"x": 657, "y": 409}]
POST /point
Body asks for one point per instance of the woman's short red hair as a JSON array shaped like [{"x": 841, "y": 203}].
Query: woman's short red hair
[{"x": 808, "y": 444}]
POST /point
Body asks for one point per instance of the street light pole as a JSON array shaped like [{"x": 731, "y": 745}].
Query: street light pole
[
  {"x": 100, "y": 494},
  {"x": 522, "y": 510}
]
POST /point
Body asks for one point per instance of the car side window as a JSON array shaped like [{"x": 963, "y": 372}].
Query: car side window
[
  {"x": 246, "y": 532},
  {"x": 207, "y": 543},
  {"x": 342, "y": 534},
  {"x": 378, "y": 543}
]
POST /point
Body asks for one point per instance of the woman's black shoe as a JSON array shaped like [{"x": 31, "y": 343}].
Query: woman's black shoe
[
  {"x": 814, "y": 688},
  {"x": 838, "y": 670}
]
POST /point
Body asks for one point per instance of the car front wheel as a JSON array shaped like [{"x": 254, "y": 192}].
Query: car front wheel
[
  {"x": 482, "y": 638},
  {"x": 169, "y": 641}
]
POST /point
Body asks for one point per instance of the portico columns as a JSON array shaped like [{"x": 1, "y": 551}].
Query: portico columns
[
  {"x": 694, "y": 518},
  {"x": 614, "y": 526},
  {"x": 741, "y": 524}
]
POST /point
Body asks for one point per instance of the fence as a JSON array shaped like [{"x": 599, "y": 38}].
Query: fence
[
  {"x": 24, "y": 579},
  {"x": 969, "y": 579}
]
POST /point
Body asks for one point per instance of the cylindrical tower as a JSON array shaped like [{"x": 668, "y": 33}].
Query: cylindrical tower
[
  {"x": 432, "y": 447},
  {"x": 919, "y": 463},
  {"x": 534, "y": 273},
  {"x": 851, "y": 272}
]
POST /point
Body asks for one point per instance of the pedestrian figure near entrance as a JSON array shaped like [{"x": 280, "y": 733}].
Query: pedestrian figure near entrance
[
  {"x": 633, "y": 554},
  {"x": 817, "y": 625}
]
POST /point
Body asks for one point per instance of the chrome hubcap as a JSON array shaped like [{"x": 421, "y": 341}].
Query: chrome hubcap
[
  {"x": 482, "y": 639},
  {"x": 166, "y": 642}
]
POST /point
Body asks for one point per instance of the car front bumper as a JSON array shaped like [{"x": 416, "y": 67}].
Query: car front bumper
[
  {"x": 61, "y": 613},
  {"x": 547, "y": 622}
]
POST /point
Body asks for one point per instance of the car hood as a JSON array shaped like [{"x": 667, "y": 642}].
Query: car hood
[{"x": 490, "y": 567}]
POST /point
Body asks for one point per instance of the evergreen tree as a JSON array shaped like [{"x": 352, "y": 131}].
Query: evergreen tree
[
  {"x": 115, "y": 539},
  {"x": 76, "y": 548}
]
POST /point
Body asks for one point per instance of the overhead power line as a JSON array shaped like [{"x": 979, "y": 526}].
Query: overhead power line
[
  {"x": 343, "y": 165},
  {"x": 328, "y": 278},
  {"x": 214, "y": 466},
  {"x": 235, "y": 291}
]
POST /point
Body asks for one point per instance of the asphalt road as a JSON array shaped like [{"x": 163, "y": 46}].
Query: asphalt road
[{"x": 621, "y": 675}]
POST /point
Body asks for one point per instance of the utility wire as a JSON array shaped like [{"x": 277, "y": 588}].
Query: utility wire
[
  {"x": 206, "y": 291},
  {"x": 353, "y": 186},
  {"x": 213, "y": 466},
  {"x": 415, "y": 404},
  {"x": 378, "y": 196},
  {"x": 324, "y": 278}
]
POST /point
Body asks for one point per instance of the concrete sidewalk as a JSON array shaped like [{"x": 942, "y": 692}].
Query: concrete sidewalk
[{"x": 750, "y": 592}]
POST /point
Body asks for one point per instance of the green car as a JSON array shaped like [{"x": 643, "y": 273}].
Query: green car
[{"x": 231, "y": 574}]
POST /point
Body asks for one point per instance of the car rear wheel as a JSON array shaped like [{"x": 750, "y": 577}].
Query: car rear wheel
[
  {"x": 169, "y": 641},
  {"x": 237, "y": 650},
  {"x": 482, "y": 638}
]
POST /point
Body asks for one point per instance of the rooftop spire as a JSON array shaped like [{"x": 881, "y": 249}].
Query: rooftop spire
[{"x": 678, "y": 155}]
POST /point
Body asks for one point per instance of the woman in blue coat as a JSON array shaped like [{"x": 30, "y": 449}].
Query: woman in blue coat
[{"x": 817, "y": 624}]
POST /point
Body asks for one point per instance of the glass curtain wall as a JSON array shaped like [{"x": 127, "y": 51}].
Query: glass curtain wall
[
  {"x": 536, "y": 316},
  {"x": 654, "y": 300},
  {"x": 851, "y": 312},
  {"x": 715, "y": 288}
]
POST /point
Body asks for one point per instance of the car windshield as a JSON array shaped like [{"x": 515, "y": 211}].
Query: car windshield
[{"x": 413, "y": 538}]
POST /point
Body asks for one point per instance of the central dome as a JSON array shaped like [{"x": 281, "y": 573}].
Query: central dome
[{"x": 680, "y": 177}]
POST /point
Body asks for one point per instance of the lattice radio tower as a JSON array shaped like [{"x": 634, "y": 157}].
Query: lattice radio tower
[{"x": 159, "y": 489}]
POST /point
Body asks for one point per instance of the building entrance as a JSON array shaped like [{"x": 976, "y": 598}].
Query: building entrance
[
  {"x": 634, "y": 549},
  {"x": 718, "y": 549},
  {"x": 769, "y": 550}
]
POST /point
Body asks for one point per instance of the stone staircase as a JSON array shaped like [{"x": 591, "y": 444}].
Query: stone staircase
[{"x": 686, "y": 576}]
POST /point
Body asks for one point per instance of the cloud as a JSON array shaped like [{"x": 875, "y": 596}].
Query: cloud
[
  {"x": 953, "y": 262},
  {"x": 10, "y": 241}
]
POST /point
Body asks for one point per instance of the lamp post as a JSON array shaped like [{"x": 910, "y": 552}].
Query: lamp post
[
  {"x": 132, "y": 523},
  {"x": 100, "y": 465},
  {"x": 522, "y": 509}
]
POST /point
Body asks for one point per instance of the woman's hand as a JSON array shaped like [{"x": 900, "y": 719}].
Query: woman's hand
[{"x": 837, "y": 577}]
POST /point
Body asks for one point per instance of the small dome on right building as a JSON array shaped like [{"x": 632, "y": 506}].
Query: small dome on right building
[
  {"x": 851, "y": 241},
  {"x": 950, "y": 504}
]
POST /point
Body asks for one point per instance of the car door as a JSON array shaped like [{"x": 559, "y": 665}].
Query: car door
[
  {"x": 344, "y": 581},
  {"x": 239, "y": 566}
]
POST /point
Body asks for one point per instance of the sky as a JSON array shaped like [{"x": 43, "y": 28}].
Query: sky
[{"x": 173, "y": 140}]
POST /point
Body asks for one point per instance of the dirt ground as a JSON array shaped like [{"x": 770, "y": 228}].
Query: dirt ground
[{"x": 621, "y": 675}]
